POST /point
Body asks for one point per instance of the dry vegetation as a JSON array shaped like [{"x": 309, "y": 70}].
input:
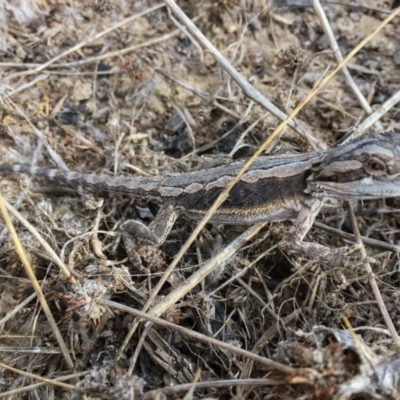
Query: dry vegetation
[{"x": 80, "y": 87}]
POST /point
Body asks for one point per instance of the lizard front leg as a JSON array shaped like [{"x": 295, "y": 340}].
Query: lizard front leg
[
  {"x": 135, "y": 233},
  {"x": 331, "y": 258}
]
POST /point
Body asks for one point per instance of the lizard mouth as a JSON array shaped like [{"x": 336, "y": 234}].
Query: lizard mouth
[{"x": 366, "y": 188}]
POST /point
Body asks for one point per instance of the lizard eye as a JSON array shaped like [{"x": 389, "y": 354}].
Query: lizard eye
[{"x": 376, "y": 167}]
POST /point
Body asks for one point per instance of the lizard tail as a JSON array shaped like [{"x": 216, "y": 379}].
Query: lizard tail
[{"x": 120, "y": 184}]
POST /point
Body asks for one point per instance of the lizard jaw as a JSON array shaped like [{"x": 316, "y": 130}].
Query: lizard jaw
[{"x": 364, "y": 189}]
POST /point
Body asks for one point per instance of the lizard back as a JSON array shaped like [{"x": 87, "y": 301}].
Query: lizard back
[{"x": 176, "y": 185}]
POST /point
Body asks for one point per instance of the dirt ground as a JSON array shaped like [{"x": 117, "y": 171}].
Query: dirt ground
[{"x": 84, "y": 88}]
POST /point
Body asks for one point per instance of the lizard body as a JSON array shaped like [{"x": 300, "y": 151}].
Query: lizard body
[{"x": 273, "y": 188}]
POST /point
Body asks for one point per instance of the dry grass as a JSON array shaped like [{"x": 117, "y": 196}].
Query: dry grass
[{"x": 128, "y": 88}]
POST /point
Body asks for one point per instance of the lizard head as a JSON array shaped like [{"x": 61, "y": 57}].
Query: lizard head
[{"x": 365, "y": 168}]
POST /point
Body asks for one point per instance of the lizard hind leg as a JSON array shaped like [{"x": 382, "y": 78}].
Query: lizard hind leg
[
  {"x": 142, "y": 241},
  {"x": 331, "y": 258}
]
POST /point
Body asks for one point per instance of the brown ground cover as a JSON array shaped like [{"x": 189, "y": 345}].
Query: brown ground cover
[{"x": 123, "y": 88}]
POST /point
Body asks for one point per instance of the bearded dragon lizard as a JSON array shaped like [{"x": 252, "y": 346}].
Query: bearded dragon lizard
[{"x": 274, "y": 188}]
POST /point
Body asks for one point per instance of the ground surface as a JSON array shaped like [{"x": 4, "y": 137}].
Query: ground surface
[{"x": 144, "y": 98}]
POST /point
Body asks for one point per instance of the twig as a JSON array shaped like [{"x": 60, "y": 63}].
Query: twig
[
  {"x": 370, "y": 242},
  {"x": 372, "y": 279},
  {"x": 16, "y": 309},
  {"x": 53, "y": 155},
  {"x": 248, "y": 89},
  {"x": 382, "y": 110},
  {"x": 168, "y": 301},
  {"x": 338, "y": 55},
  {"x": 83, "y": 43},
  {"x": 50, "y": 252},
  {"x": 242, "y": 271},
  {"x": 198, "y": 336},
  {"x": 13, "y": 392},
  {"x": 27, "y": 85},
  {"x": 267, "y": 336},
  {"x": 52, "y": 382},
  {"x": 212, "y": 385},
  {"x": 35, "y": 283},
  {"x": 90, "y": 60}
]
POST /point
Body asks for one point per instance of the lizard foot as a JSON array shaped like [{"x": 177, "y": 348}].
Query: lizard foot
[
  {"x": 140, "y": 243},
  {"x": 330, "y": 258}
]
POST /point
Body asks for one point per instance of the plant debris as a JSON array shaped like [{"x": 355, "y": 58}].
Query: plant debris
[{"x": 84, "y": 88}]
